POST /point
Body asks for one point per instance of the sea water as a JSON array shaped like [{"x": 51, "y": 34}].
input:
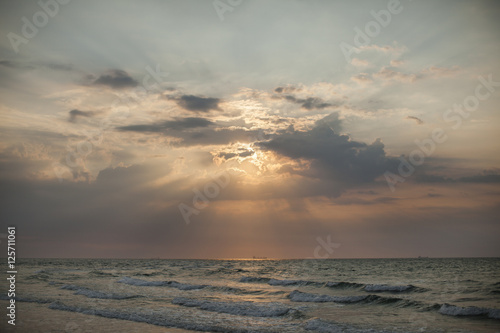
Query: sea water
[{"x": 332, "y": 295}]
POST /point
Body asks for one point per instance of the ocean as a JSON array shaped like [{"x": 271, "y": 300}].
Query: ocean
[{"x": 331, "y": 295}]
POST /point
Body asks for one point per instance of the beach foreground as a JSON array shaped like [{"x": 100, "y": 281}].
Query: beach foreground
[{"x": 381, "y": 295}]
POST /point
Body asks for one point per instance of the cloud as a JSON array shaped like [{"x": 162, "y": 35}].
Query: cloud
[
  {"x": 397, "y": 63},
  {"x": 179, "y": 124},
  {"x": 309, "y": 103},
  {"x": 487, "y": 176},
  {"x": 287, "y": 89},
  {"x": 333, "y": 155},
  {"x": 116, "y": 79},
  {"x": 74, "y": 114},
  {"x": 35, "y": 65},
  {"x": 15, "y": 64},
  {"x": 387, "y": 74},
  {"x": 197, "y": 103},
  {"x": 362, "y": 78},
  {"x": 394, "y": 50},
  {"x": 433, "y": 72},
  {"x": 196, "y": 132},
  {"x": 209, "y": 136},
  {"x": 229, "y": 155},
  {"x": 418, "y": 120},
  {"x": 359, "y": 63}
]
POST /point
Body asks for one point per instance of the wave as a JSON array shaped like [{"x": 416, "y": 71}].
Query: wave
[
  {"x": 55, "y": 270},
  {"x": 236, "y": 308},
  {"x": 94, "y": 293},
  {"x": 187, "y": 321},
  {"x": 458, "y": 311},
  {"x": 39, "y": 276},
  {"x": 254, "y": 279},
  {"x": 173, "y": 284},
  {"x": 100, "y": 273},
  {"x": 343, "y": 285},
  {"x": 237, "y": 291},
  {"x": 276, "y": 282},
  {"x": 385, "y": 287},
  {"x": 26, "y": 299},
  {"x": 333, "y": 285},
  {"x": 149, "y": 274},
  {"x": 320, "y": 325},
  {"x": 298, "y": 296}
]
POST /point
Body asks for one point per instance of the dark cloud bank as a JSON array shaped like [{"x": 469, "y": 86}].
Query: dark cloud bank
[
  {"x": 197, "y": 103},
  {"x": 116, "y": 79},
  {"x": 332, "y": 154}
]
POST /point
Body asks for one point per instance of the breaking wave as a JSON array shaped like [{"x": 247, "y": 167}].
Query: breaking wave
[
  {"x": 94, "y": 293},
  {"x": 458, "y": 311},
  {"x": 385, "y": 287},
  {"x": 173, "y": 284},
  {"x": 236, "y": 308},
  {"x": 298, "y": 296}
]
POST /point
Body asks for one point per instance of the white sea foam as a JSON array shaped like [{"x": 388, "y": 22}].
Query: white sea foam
[
  {"x": 184, "y": 286},
  {"x": 298, "y": 296},
  {"x": 269, "y": 309},
  {"x": 276, "y": 282},
  {"x": 452, "y": 310},
  {"x": 385, "y": 287},
  {"x": 182, "y": 320},
  {"x": 173, "y": 284},
  {"x": 94, "y": 293},
  {"x": 343, "y": 285},
  {"x": 253, "y": 279}
]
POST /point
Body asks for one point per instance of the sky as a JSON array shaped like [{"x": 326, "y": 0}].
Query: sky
[{"x": 242, "y": 128}]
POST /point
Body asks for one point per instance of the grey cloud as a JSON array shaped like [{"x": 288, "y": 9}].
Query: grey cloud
[
  {"x": 208, "y": 136},
  {"x": 59, "y": 67},
  {"x": 197, "y": 103},
  {"x": 15, "y": 64},
  {"x": 227, "y": 156},
  {"x": 196, "y": 132},
  {"x": 35, "y": 65},
  {"x": 333, "y": 155},
  {"x": 309, "y": 103},
  {"x": 487, "y": 176},
  {"x": 418, "y": 120},
  {"x": 287, "y": 89},
  {"x": 74, "y": 114},
  {"x": 179, "y": 124},
  {"x": 244, "y": 153},
  {"x": 117, "y": 79},
  {"x": 481, "y": 179}
]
